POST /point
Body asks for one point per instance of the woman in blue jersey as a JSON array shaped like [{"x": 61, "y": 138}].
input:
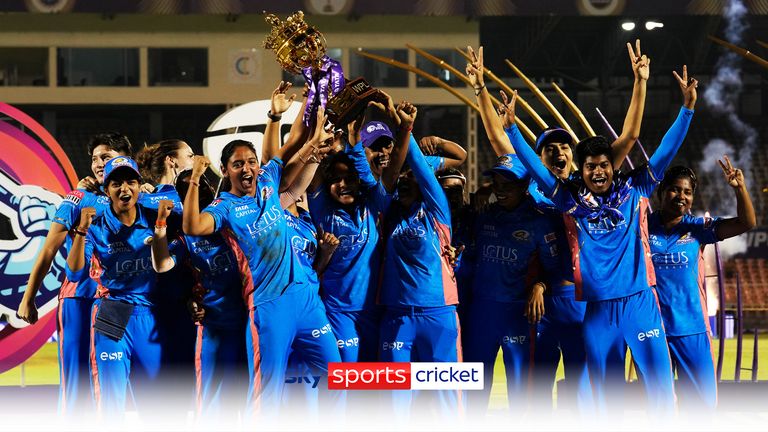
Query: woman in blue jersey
[
  {"x": 677, "y": 242},
  {"x": 160, "y": 163},
  {"x": 418, "y": 288},
  {"x": 75, "y": 298},
  {"x": 217, "y": 308},
  {"x": 282, "y": 313},
  {"x": 124, "y": 345}
]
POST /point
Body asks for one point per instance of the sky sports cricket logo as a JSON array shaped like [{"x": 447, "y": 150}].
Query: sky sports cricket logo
[{"x": 405, "y": 376}]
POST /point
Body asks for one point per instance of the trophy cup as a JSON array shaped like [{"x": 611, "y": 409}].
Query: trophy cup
[
  {"x": 351, "y": 101},
  {"x": 300, "y": 48}
]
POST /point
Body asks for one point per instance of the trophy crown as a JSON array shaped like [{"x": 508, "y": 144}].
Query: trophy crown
[{"x": 296, "y": 43}]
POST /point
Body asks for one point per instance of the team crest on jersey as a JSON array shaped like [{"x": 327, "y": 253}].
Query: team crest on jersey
[
  {"x": 75, "y": 197},
  {"x": 267, "y": 192},
  {"x": 521, "y": 235},
  {"x": 685, "y": 238}
]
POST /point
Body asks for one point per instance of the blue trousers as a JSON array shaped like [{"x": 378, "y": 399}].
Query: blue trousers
[
  {"x": 357, "y": 334},
  {"x": 293, "y": 322},
  {"x": 696, "y": 380},
  {"x": 219, "y": 371},
  {"x": 132, "y": 362},
  {"x": 492, "y": 325},
  {"x": 421, "y": 334},
  {"x": 560, "y": 333},
  {"x": 610, "y": 326},
  {"x": 73, "y": 325}
]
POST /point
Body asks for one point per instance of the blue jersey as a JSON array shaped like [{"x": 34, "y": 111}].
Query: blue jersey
[
  {"x": 162, "y": 192},
  {"x": 121, "y": 257},
  {"x": 256, "y": 230},
  {"x": 435, "y": 162},
  {"x": 351, "y": 278},
  {"x": 679, "y": 263},
  {"x": 415, "y": 271},
  {"x": 218, "y": 284},
  {"x": 609, "y": 242},
  {"x": 512, "y": 247},
  {"x": 304, "y": 244},
  {"x": 68, "y": 214}
]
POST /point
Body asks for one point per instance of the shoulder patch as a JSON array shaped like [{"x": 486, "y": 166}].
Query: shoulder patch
[
  {"x": 75, "y": 196},
  {"x": 215, "y": 202}
]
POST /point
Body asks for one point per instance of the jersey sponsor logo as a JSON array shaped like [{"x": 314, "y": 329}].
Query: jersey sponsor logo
[
  {"x": 350, "y": 241},
  {"x": 674, "y": 259},
  {"x": 303, "y": 246},
  {"x": 351, "y": 342},
  {"x": 215, "y": 202},
  {"x": 118, "y": 247},
  {"x": 111, "y": 356},
  {"x": 499, "y": 253},
  {"x": 392, "y": 346},
  {"x": 202, "y": 246},
  {"x": 133, "y": 266},
  {"x": 74, "y": 197},
  {"x": 514, "y": 340},
  {"x": 268, "y": 219},
  {"x": 220, "y": 262},
  {"x": 102, "y": 199},
  {"x": 316, "y": 333},
  {"x": 654, "y": 333},
  {"x": 604, "y": 226},
  {"x": 410, "y": 232},
  {"x": 654, "y": 240}
]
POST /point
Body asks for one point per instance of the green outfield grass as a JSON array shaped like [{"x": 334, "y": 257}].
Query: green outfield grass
[{"x": 42, "y": 368}]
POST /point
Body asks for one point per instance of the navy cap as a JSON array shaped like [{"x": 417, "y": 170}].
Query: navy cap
[
  {"x": 373, "y": 131},
  {"x": 120, "y": 163},
  {"x": 510, "y": 167},
  {"x": 558, "y": 135}
]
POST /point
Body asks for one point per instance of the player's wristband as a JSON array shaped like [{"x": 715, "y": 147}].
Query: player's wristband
[
  {"x": 80, "y": 231},
  {"x": 161, "y": 223},
  {"x": 479, "y": 89},
  {"x": 274, "y": 117}
]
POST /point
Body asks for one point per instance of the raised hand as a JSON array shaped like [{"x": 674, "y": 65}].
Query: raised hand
[
  {"x": 475, "y": 68},
  {"x": 641, "y": 64},
  {"x": 387, "y": 108},
  {"x": 86, "y": 218},
  {"x": 734, "y": 176},
  {"x": 407, "y": 114},
  {"x": 429, "y": 145},
  {"x": 164, "y": 209},
  {"x": 687, "y": 87},
  {"x": 88, "y": 183},
  {"x": 281, "y": 103},
  {"x": 199, "y": 165},
  {"x": 323, "y": 130},
  {"x": 506, "y": 108},
  {"x": 327, "y": 242}
]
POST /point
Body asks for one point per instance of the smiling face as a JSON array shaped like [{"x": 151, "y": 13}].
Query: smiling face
[
  {"x": 677, "y": 198},
  {"x": 123, "y": 190},
  {"x": 597, "y": 172},
  {"x": 378, "y": 153},
  {"x": 557, "y": 157},
  {"x": 508, "y": 192},
  {"x": 101, "y": 154},
  {"x": 343, "y": 184},
  {"x": 242, "y": 171}
]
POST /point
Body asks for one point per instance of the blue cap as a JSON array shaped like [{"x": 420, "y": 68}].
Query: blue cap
[
  {"x": 558, "y": 135},
  {"x": 373, "y": 131},
  {"x": 120, "y": 163},
  {"x": 510, "y": 167}
]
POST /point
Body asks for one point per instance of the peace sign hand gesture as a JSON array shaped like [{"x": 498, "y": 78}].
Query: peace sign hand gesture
[
  {"x": 688, "y": 87},
  {"x": 475, "y": 68},
  {"x": 734, "y": 176},
  {"x": 641, "y": 64}
]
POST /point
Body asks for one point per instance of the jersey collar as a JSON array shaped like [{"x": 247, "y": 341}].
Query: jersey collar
[{"x": 114, "y": 224}]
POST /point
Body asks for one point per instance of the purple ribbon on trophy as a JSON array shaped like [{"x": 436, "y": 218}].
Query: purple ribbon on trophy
[{"x": 324, "y": 82}]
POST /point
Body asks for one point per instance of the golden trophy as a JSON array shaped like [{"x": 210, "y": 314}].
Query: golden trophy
[{"x": 300, "y": 48}]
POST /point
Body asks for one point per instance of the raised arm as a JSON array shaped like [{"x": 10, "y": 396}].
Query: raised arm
[
  {"x": 194, "y": 222},
  {"x": 491, "y": 122},
  {"x": 745, "y": 218},
  {"x": 631, "y": 129},
  {"x": 432, "y": 193},
  {"x": 404, "y": 116},
  {"x": 76, "y": 259},
  {"x": 310, "y": 153},
  {"x": 453, "y": 154},
  {"x": 543, "y": 177},
  {"x": 161, "y": 256},
  {"x": 673, "y": 139}
]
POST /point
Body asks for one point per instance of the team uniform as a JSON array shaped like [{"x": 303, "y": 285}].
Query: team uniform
[
  {"x": 220, "y": 336},
  {"x": 560, "y": 331},
  {"x": 74, "y": 311},
  {"x": 608, "y": 237},
  {"x": 679, "y": 264},
  {"x": 511, "y": 248},
  {"x": 351, "y": 277},
  {"x": 121, "y": 265},
  {"x": 418, "y": 287},
  {"x": 282, "y": 311}
]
